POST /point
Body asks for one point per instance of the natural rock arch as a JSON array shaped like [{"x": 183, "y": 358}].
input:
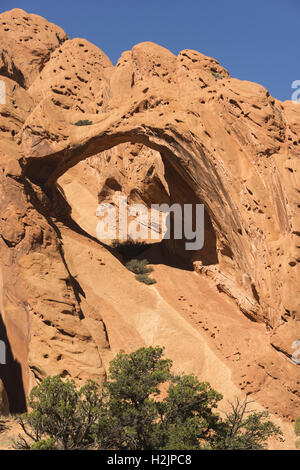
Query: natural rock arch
[
  {"x": 161, "y": 114},
  {"x": 235, "y": 147},
  {"x": 182, "y": 186}
]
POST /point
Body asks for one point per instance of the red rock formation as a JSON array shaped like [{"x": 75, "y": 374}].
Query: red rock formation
[{"x": 223, "y": 142}]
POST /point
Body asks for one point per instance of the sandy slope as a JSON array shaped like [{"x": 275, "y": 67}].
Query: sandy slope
[
  {"x": 202, "y": 329},
  {"x": 138, "y": 315}
]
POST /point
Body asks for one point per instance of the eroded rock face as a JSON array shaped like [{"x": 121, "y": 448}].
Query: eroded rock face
[
  {"x": 28, "y": 41},
  {"x": 49, "y": 329},
  {"x": 135, "y": 171},
  {"x": 229, "y": 140},
  {"x": 187, "y": 132}
]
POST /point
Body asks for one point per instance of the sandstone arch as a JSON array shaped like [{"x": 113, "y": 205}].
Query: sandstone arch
[
  {"x": 177, "y": 106},
  {"x": 234, "y": 146}
]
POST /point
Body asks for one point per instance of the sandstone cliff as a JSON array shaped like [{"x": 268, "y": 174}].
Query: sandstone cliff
[{"x": 163, "y": 128}]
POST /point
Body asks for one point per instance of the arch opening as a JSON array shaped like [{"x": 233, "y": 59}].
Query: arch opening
[{"x": 145, "y": 176}]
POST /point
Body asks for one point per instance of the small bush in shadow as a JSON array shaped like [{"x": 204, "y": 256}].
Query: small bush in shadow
[
  {"x": 129, "y": 249},
  {"x": 141, "y": 270},
  {"x": 139, "y": 266},
  {"x": 145, "y": 279},
  {"x": 83, "y": 122}
]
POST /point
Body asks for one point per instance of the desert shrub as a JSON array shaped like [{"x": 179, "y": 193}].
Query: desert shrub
[
  {"x": 129, "y": 249},
  {"x": 145, "y": 279},
  {"x": 61, "y": 417},
  {"x": 83, "y": 122},
  {"x": 44, "y": 444},
  {"x": 130, "y": 414},
  {"x": 139, "y": 266},
  {"x": 141, "y": 270},
  {"x": 136, "y": 417},
  {"x": 245, "y": 429}
]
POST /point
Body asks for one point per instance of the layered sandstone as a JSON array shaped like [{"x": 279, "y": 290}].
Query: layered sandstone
[{"x": 163, "y": 129}]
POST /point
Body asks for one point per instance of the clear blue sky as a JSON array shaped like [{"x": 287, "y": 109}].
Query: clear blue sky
[{"x": 256, "y": 40}]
